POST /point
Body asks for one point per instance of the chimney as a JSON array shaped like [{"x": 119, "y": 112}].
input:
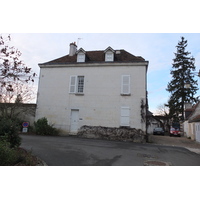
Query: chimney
[{"x": 72, "y": 49}]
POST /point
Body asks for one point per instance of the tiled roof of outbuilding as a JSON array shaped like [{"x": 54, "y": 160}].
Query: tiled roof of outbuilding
[
  {"x": 195, "y": 119},
  {"x": 98, "y": 56}
]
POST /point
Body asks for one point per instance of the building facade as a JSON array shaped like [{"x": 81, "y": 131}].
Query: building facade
[{"x": 95, "y": 88}]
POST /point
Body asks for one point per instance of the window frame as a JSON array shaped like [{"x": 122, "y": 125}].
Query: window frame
[{"x": 80, "y": 84}]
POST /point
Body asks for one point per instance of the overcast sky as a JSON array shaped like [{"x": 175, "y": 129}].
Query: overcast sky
[{"x": 157, "y": 48}]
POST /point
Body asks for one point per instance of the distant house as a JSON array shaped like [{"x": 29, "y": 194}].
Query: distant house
[
  {"x": 94, "y": 88},
  {"x": 155, "y": 121},
  {"x": 152, "y": 122}
]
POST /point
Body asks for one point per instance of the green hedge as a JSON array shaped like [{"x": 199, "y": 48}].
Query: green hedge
[{"x": 43, "y": 128}]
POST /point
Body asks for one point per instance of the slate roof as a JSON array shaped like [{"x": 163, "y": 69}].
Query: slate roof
[
  {"x": 97, "y": 57},
  {"x": 192, "y": 117},
  {"x": 195, "y": 119}
]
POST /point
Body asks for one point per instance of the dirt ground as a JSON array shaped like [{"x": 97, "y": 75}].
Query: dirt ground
[{"x": 175, "y": 141}]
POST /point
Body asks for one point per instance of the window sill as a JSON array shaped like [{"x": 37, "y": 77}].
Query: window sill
[
  {"x": 125, "y": 94},
  {"x": 79, "y": 94}
]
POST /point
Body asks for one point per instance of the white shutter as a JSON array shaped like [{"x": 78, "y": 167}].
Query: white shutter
[
  {"x": 125, "y": 116},
  {"x": 125, "y": 87},
  {"x": 72, "y": 87}
]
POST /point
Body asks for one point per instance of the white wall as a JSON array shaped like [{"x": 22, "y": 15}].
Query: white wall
[
  {"x": 191, "y": 131},
  {"x": 101, "y": 103},
  {"x": 197, "y": 131},
  {"x": 186, "y": 128}
]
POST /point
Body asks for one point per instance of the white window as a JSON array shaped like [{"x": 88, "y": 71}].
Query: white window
[
  {"x": 76, "y": 84},
  {"x": 125, "y": 116},
  {"x": 109, "y": 56},
  {"x": 125, "y": 85},
  {"x": 80, "y": 81},
  {"x": 81, "y": 57}
]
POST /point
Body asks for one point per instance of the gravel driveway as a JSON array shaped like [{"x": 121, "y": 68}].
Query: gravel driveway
[{"x": 175, "y": 141}]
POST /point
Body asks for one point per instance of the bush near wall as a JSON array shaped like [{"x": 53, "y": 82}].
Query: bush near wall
[
  {"x": 41, "y": 127},
  {"x": 120, "y": 134}
]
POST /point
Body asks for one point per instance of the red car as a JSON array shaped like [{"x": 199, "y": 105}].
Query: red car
[{"x": 175, "y": 132}]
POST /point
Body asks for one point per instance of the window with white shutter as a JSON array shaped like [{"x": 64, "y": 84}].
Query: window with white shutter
[
  {"x": 125, "y": 85},
  {"x": 125, "y": 116},
  {"x": 76, "y": 84}
]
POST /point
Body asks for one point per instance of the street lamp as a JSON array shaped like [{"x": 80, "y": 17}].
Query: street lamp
[{"x": 187, "y": 85}]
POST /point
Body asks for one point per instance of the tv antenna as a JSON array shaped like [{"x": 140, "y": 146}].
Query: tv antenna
[{"x": 78, "y": 41}]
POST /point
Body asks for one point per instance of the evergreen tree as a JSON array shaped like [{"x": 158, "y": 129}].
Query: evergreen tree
[{"x": 182, "y": 72}]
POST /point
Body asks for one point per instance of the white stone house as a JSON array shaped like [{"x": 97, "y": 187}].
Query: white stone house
[
  {"x": 95, "y": 88},
  {"x": 192, "y": 124}
]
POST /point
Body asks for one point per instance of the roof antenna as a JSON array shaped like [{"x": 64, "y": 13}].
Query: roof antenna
[{"x": 78, "y": 41}]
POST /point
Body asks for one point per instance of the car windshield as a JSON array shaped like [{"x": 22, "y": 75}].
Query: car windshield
[
  {"x": 158, "y": 129},
  {"x": 174, "y": 129}
]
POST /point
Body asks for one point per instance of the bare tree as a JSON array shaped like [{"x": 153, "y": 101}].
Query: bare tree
[
  {"x": 164, "y": 116},
  {"x": 162, "y": 110},
  {"x": 15, "y": 79}
]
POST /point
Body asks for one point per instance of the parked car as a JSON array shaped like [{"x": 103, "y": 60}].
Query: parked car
[
  {"x": 158, "y": 131},
  {"x": 175, "y": 132}
]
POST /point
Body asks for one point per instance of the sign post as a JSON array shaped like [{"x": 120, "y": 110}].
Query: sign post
[{"x": 25, "y": 127}]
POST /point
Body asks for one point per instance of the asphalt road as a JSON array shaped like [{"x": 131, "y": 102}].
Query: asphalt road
[{"x": 73, "y": 151}]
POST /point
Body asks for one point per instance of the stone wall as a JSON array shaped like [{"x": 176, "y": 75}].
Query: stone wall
[
  {"x": 25, "y": 112},
  {"x": 120, "y": 134}
]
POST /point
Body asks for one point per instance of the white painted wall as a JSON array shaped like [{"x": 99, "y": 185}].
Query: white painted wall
[
  {"x": 191, "y": 130},
  {"x": 101, "y": 103},
  {"x": 197, "y": 131},
  {"x": 186, "y": 128}
]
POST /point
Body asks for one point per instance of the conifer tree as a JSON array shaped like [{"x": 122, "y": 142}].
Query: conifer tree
[{"x": 182, "y": 72}]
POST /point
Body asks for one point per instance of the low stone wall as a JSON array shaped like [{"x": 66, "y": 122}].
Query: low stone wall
[{"x": 120, "y": 134}]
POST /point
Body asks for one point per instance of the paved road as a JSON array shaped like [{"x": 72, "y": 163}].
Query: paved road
[
  {"x": 176, "y": 141},
  {"x": 72, "y": 151}
]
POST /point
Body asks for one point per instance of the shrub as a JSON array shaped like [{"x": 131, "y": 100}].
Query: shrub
[
  {"x": 8, "y": 156},
  {"x": 15, "y": 156},
  {"x": 43, "y": 128},
  {"x": 9, "y": 132}
]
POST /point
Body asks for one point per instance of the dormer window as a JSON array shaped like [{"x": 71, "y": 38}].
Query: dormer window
[
  {"x": 109, "y": 54},
  {"x": 81, "y": 55}
]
